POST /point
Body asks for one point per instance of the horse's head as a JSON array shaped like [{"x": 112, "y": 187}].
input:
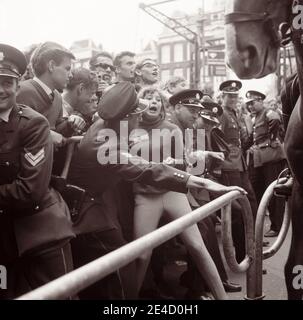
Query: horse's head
[{"x": 252, "y": 35}]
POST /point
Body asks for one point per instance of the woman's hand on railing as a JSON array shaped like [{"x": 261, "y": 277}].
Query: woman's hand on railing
[{"x": 214, "y": 187}]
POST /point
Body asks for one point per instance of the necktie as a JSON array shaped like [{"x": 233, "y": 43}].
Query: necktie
[{"x": 52, "y": 96}]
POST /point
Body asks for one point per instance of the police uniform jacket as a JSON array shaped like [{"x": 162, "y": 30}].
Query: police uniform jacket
[
  {"x": 31, "y": 213},
  {"x": 99, "y": 211},
  {"x": 262, "y": 133},
  {"x": 266, "y": 145},
  {"x": 231, "y": 128}
]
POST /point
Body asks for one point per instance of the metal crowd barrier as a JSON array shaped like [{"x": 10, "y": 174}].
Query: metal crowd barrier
[
  {"x": 77, "y": 280},
  {"x": 255, "y": 283}
]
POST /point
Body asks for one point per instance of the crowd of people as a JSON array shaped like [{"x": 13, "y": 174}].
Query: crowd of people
[{"x": 115, "y": 190}]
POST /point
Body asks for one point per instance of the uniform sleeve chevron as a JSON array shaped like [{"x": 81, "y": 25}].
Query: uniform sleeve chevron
[{"x": 35, "y": 159}]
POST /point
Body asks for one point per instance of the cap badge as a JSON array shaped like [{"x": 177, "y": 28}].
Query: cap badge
[
  {"x": 1, "y": 56},
  {"x": 197, "y": 96},
  {"x": 233, "y": 84},
  {"x": 215, "y": 110}
]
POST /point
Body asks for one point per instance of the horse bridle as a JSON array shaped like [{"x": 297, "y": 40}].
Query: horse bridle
[
  {"x": 243, "y": 16},
  {"x": 281, "y": 37}
]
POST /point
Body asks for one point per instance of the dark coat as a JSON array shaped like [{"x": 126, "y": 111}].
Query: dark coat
[
  {"x": 34, "y": 96},
  {"x": 100, "y": 180},
  {"x": 31, "y": 213},
  {"x": 231, "y": 127}
]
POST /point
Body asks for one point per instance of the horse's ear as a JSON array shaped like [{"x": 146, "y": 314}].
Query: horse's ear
[{"x": 284, "y": 33}]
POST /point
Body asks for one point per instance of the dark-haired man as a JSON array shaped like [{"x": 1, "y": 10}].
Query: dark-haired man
[
  {"x": 102, "y": 64},
  {"x": 125, "y": 66},
  {"x": 51, "y": 64},
  {"x": 78, "y": 97}
]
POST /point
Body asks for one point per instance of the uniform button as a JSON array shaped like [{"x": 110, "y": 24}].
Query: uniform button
[
  {"x": 182, "y": 175},
  {"x": 37, "y": 208},
  {"x": 20, "y": 112},
  {"x": 1, "y": 211},
  {"x": 175, "y": 174},
  {"x": 92, "y": 199},
  {"x": 7, "y": 163}
]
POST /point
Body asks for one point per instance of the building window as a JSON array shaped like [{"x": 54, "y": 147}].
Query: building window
[
  {"x": 178, "y": 52},
  {"x": 188, "y": 74},
  {"x": 165, "y": 54},
  {"x": 178, "y": 72},
  {"x": 165, "y": 75}
]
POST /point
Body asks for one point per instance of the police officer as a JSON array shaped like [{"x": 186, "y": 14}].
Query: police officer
[
  {"x": 234, "y": 169},
  {"x": 266, "y": 155},
  {"x": 189, "y": 105},
  {"x": 100, "y": 162},
  {"x": 34, "y": 225}
]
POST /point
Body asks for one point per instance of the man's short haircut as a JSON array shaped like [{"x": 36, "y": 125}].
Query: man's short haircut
[
  {"x": 94, "y": 58},
  {"x": 82, "y": 75},
  {"x": 173, "y": 81},
  {"x": 46, "y": 52},
  {"x": 119, "y": 56}
]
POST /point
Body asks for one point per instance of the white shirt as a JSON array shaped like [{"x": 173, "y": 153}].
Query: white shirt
[
  {"x": 46, "y": 88},
  {"x": 4, "y": 115}
]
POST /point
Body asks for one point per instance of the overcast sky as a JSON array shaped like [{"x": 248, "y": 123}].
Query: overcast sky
[{"x": 117, "y": 24}]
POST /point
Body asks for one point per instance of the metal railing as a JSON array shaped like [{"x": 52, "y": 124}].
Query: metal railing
[
  {"x": 255, "y": 283},
  {"x": 77, "y": 280}
]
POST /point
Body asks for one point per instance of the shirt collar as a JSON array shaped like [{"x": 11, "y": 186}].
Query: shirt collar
[
  {"x": 43, "y": 86},
  {"x": 4, "y": 116}
]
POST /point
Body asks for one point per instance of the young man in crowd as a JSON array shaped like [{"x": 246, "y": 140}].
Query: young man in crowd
[
  {"x": 125, "y": 65},
  {"x": 79, "y": 95},
  {"x": 51, "y": 64},
  {"x": 147, "y": 73},
  {"x": 103, "y": 65}
]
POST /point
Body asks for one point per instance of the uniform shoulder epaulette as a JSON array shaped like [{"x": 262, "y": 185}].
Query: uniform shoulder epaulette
[{"x": 27, "y": 112}]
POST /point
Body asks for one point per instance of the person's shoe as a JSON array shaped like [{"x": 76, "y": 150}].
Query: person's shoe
[
  {"x": 231, "y": 287},
  {"x": 271, "y": 234},
  {"x": 265, "y": 243}
]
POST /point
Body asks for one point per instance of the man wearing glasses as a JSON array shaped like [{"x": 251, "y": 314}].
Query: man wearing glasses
[
  {"x": 102, "y": 63},
  {"x": 147, "y": 73}
]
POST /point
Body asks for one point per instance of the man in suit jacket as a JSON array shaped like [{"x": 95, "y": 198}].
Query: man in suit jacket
[{"x": 51, "y": 64}]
